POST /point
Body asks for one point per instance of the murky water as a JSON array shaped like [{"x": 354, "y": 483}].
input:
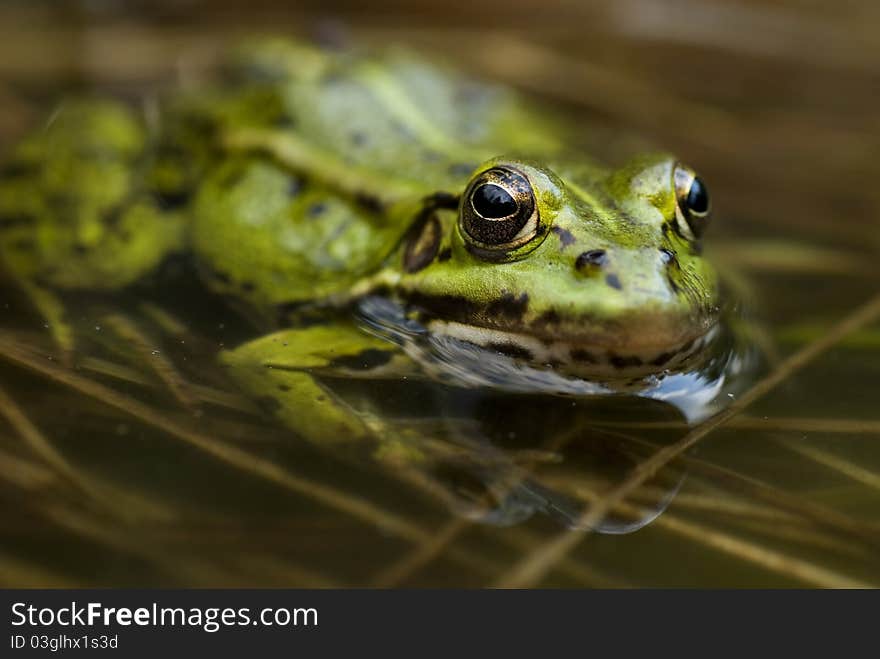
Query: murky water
[{"x": 117, "y": 473}]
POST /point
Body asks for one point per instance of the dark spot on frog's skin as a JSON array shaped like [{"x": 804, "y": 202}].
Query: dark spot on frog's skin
[
  {"x": 403, "y": 131},
  {"x": 283, "y": 387},
  {"x": 284, "y": 311},
  {"x": 15, "y": 220},
  {"x": 81, "y": 249},
  {"x": 565, "y": 236},
  {"x": 248, "y": 286},
  {"x": 550, "y": 317},
  {"x": 291, "y": 312},
  {"x": 170, "y": 151},
  {"x": 269, "y": 404},
  {"x": 461, "y": 168},
  {"x": 363, "y": 361},
  {"x": 284, "y": 121},
  {"x": 509, "y": 307},
  {"x": 662, "y": 359},
  {"x": 442, "y": 200},
  {"x": 445, "y": 306},
  {"x": 431, "y": 156},
  {"x": 221, "y": 277},
  {"x": 445, "y": 254},
  {"x": 205, "y": 126},
  {"x": 19, "y": 169},
  {"x": 595, "y": 258},
  {"x": 422, "y": 243},
  {"x": 172, "y": 200},
  {"x": 294, "y": 186},
  {"x": 613, "y": 281},
  {"x": 585, "y": 356},
  {"x": 369, "y": 202},
  {"x": 317, "y": 209},
  {"x": 511, "y": 350},
  {"x": 232, "y": 178},
  {"x": 24, "y": 245},
  {"x": 358, "y": 138},
  {"x": 112, "y": 216},
  {"x": 619, "y": 362}
]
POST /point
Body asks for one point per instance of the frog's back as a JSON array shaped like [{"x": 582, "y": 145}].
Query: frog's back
[
  {"x": 398, "y": 114},
  {"x": 406, "y": 123},
  {"x": 267, "y": 231}
]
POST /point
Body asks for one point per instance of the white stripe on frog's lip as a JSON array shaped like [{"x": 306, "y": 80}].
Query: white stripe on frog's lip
[
  {"x": 687, "y": 386},
  {"x": 463, "y": 360},
  {"x": 575, "y": 358}
]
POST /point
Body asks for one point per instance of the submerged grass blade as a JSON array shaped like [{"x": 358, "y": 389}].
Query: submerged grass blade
[
  {"x": 157, "y": 361},
  {"x": 231, "y": 455},
  {"x": 355, "y": 506},
  {"x": 775, "y": 561},
  {"x": 841, "y": 465}
]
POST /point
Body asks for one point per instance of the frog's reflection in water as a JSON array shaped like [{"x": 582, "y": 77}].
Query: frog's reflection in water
[
  {"x": 555, "y": 456},
  {"x": 502, "y": 458},
  {"x": 501, "y": 441}
]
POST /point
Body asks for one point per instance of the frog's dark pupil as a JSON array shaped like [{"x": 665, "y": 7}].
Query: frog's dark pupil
[
  {"x": 698, "y": 196},
  {"x": 493, "y": 202}
]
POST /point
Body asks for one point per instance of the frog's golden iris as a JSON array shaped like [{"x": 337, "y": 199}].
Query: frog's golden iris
[{"x": 498, "y": 210}]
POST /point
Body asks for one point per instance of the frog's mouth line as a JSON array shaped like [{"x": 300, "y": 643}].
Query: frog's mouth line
[{"x": 577, "y": 356}]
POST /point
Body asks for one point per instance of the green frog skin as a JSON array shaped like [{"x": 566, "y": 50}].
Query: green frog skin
[{"x": 436, "y": 227}]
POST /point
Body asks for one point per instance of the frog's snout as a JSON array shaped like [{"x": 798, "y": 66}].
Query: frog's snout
[{"x": 636, "y": 274}]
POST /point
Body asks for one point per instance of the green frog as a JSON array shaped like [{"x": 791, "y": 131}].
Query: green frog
[{"x": 379, "y": 217}]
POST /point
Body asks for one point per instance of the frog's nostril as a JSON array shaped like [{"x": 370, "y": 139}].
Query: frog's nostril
[
  {"x": 613, "y": 281},
  {"x": 595, "y": 258}
]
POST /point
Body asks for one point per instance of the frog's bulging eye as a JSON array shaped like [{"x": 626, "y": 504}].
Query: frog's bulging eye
[
  {"x": 698, "y": 197},
  {"x": 692, "y": 202},
  {"x": 493, "y": 202},
  {"x": 498, "y": 210}
]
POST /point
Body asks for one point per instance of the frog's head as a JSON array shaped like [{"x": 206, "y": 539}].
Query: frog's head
[{"x": 599, "y": 270}]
